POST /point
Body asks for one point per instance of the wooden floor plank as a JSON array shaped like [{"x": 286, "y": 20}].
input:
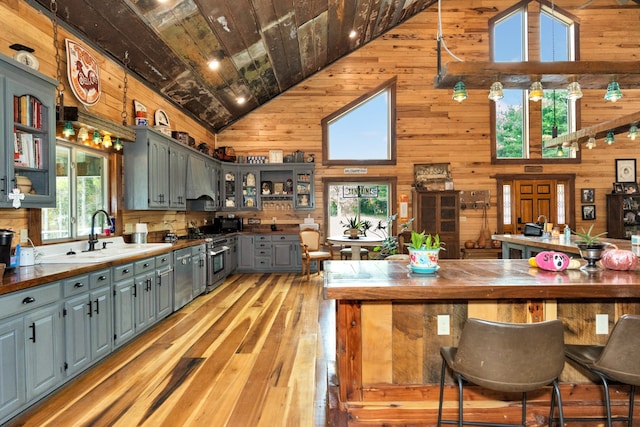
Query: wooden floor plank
[{"x": 252, "y": 352}]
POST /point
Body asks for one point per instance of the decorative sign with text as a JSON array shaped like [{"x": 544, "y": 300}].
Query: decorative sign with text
[{"x": 84, "y": 73}]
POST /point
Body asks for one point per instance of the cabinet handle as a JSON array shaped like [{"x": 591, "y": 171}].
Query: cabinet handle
[
  {"x": 90, "y": 309},
  {"x": 28, "y": 300},
  {"x": 146, "y": 264},
  {"x": 97, "y": 306},
  {"x": 33, "y": 332},
  {"x": 125, "y": 271},
  {"x": 135, "y": 290},
  {"x": 78, "y": 285},
  {"x": 103, "y": 277}
]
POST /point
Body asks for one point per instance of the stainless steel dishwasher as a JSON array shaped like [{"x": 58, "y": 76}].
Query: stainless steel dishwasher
[{"x": 183, "y": 291}]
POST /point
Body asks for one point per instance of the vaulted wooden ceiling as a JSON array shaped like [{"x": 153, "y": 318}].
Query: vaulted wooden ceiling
[{"x": 264, "y": 46}]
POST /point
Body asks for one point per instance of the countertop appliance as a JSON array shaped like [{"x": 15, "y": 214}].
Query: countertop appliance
[
  {"x": 227, "y": 225},
  {"x": 183, "y": 270}
]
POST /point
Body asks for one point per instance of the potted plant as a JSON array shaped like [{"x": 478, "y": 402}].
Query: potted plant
[
  {"x": 389, "y": 245},
  {"x": 590, "y": 247},
  {"x": 424, "y": 252},
  {"x": 353, "y": 227}
]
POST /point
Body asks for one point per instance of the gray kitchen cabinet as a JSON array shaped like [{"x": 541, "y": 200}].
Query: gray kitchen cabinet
[
  {"x": 31, "y": 346},
  {"x": 246, "y": 259},
  {"x": 123, "y": 304},
  {"x": 155, "y": 172},
  {"x": 231, "y": 259},
  {"x": 27, "y": 111},
  {"x": 101, "y": 306},
  {"x": 144, "y": 293},
  {"x": 164, "y": 285},
  {"x": 303, "y": 187},
  {"x": 199, "y": 265},
  {"x": 229, "y": 187},
  {"x": 286, "y": 252}
]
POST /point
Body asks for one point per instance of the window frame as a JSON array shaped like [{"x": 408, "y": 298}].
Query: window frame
[
  {"x": 390, "y": 86},
  {"x": 533, "y": 133}
]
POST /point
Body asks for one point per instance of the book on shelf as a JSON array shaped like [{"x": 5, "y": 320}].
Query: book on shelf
[
  {"x": 27, "y": 150},
  {"x": 27, "y": 110}
]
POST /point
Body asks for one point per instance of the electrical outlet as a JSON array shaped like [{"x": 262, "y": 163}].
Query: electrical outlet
[
  {"x": 602, "y": 324},
  {"x": 444, "y": 325},
  {"x": 24, "y": 235}
]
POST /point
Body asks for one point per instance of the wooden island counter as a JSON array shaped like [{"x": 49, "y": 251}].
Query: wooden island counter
[{"x": 388, "y": 334}]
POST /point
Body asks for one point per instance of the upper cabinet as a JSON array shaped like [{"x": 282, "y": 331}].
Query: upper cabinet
[{"x": 28, "y": 151}]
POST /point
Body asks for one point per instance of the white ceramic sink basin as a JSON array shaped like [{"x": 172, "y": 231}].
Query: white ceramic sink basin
[{"x": 111, "y": 253}]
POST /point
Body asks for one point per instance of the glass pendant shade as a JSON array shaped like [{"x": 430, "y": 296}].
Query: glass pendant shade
[
  {"x": 459, "y": 92},
  {"x": 495, "y": 92},
  {"x": 613, "y": 92},
  {"x": 633, "y": 132},
  {"x": 575, "y": 147},
  {"x": 68, "y": 130},
  {"x": 106, "y": 141},
  {"x": 117, "y": 145},
  {"x": 610, "y": 138},
  {"x": 536, "y": 92},
  {"x": 574, "y": 91},
  {"x": 591, "y": 143},
  {"x": 560, "y": 152},
  {"x": 96, "y": 138},
  {"x": 83, "y": 134}
]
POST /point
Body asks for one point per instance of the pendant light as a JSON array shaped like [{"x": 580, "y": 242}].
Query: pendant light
[
  {"x": 106, "y": 141},
  {"x": 536, "y": 92},
  {"x": 591, "y": 143},
  {"x": 96, "y": 138},
  {"x": 633, "y": 132},
  {"x": 613, "y": 92},
  {"x": 68, "y": 130},
  {"x": 459, "y": 92},
  {"x": 610, "y": 138},
  {"x": 574, "y": 91},
  {"x": 83, "y": 134},
  {"x": 496, "y": 91},
  {"x": 117, "y": 145}
]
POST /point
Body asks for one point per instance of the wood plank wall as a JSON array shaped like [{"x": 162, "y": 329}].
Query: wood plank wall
[{"x": 430, "y": 126}]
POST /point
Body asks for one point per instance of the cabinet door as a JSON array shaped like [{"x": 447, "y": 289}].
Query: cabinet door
[
  {"x": 438, "y": 212},
  {"x": 145, "y": 311},
  {"x": 101, "y": 323},
  {"x": 124, "y": 311},
  {"x": 249, "y": 189},
  {"x": 77, "y": 328},
  {"x": 158, "y": 172},
  {"x": 198, "y": 259},
  {"x": 229, "y": 181},
  {"x": 28, "y": 135},
  {"x": 246, "y": 253},
  {"x": 43, "y": 338},
  {"x": 178, "y": 159},
  {"x": 281, "y": 255},
  {"x": 12, "y": 386},
  {"x": 164, "y": 292},
  {"x": 303, "y": 187}
]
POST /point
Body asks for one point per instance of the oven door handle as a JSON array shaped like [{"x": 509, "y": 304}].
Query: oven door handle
[{"x": 218, "y": 251}]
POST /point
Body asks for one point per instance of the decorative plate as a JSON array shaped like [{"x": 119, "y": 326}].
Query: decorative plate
[
  {"x": 161, "y": 118},
  {"x": 27, "y": 58}
]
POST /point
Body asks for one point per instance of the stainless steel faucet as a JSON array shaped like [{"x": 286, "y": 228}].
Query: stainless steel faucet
[{"x": 93, "y": 237}]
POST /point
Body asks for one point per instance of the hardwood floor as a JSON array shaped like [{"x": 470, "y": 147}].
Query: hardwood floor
[{"x": 253, "y": 352}]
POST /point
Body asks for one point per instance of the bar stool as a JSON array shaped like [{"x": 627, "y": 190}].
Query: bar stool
[
  {"x": 506, "y": 357},
  {"x": 346, "y": 253},
  {"x": 618, "y": 360}
]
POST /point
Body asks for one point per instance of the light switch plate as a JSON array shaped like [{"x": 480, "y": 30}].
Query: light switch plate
[
  {"x": 602, "y": 324},
  {"x": 444, "y": 324}
]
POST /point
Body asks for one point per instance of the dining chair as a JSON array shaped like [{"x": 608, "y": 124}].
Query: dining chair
[
  {"x": 505, "y": 357},
  {"x": 617, "y": 360},
  {"x": 313, "y": 250},
  {"x": 347, "y": 253}
]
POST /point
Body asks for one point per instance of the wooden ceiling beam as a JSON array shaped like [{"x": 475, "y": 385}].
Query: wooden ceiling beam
[{"x": 552, "y": 75}]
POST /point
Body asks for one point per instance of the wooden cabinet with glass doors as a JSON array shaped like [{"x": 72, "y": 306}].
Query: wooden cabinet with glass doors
[{"x": 438, "y": 212}]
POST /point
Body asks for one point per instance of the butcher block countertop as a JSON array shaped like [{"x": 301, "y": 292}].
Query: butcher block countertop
[
  {"x": 26, "y": 277},
  {"x": 472, "y": 279}
]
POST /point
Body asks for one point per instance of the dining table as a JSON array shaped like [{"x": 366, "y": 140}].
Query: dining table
[{"x": 355, "y": 244}]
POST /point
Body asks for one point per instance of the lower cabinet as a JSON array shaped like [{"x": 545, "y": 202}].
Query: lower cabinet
[
  {"x": 144, "y": 293},
  {"x": 31, "y": 340},
  {"x": 199, "y": 264},
  {"x": 269, "y": 252},
  {"x": 164, "y": 285},
  {"x": 124, "y": 320}
]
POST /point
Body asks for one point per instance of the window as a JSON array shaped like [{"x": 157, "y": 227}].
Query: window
[
  {"x": 532, "y": 32},
  {"x": 363, "y": 131},
  {"x": 81, "y": 177},
  {"x": 368, "y": 200}
]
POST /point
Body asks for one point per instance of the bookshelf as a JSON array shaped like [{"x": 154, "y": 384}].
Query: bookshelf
[{"x": 28, "y": 111}]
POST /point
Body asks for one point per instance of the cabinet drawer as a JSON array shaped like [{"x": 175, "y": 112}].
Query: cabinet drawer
[
  {"x": 262, "y": 238},
  {"x": 263, "y": 262},
  {"x": 121, "y": 272},
  {"x": 144, "y": 266},
  {"x": 28, "y": 299},
  {"x": 200, "y": 249},
  {"x": 75, "y": 285},
  {"x": 99, "y": 279},
  {"x": 163, "y": 261},
  {"x": 263, "y": 252},
  {"x": 285, "y": 238},
  {"x": 263, "y": 245}
]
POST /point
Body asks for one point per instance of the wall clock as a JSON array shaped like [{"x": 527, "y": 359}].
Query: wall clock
[{"x": 27, "y": 58}]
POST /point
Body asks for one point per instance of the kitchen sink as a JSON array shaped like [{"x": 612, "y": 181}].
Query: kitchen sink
[{"x": 117, "y": 249}]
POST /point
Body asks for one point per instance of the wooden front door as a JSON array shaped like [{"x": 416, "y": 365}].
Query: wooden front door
[{"x": 530, "y": 196}]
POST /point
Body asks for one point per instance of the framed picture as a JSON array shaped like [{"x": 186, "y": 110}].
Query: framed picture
[
  {"x": 625, "y": 170},
  {"x": 618, "y": 187},
  {"x": 588, "y": 195},
  {"x": 589, "y": 212},
  {"x": 630, "y": 188}
]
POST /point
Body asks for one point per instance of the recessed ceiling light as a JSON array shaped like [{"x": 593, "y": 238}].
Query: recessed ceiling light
[
  {"x": 240, "y": 100},
  {"x": 214, "y": 64},
  {"x": 353, "y": 34}
]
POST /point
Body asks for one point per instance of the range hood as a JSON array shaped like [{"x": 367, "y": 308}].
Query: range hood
[{"x": 200, "y": 179}]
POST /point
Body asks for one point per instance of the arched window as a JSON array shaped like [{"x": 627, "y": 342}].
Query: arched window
[{"x": 532, "y": 31}]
